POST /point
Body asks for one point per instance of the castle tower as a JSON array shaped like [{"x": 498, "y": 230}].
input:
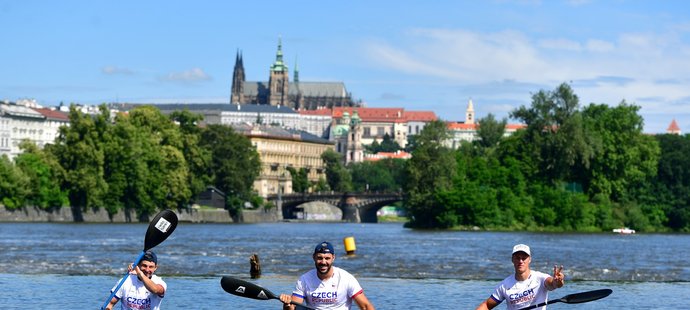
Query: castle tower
[
  {"x": 469, "y": 113},
  {"x": 355, "y": 151},
  {"x": 237, "y": 90},
  {"x": 279, "y": 80},
  {"x": 673, "y": 128},
  {"x": 298, "y": 98}
]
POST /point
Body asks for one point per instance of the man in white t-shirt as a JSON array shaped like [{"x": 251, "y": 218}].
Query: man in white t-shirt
[
  {"x": 327, "y": 286},
  {"x": 527, "y": 287},
  {"x": 142, "y": 290}
]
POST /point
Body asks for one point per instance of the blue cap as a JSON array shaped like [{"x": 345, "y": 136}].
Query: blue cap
[
  {"x": 151, "y": 257},
  {"x": 324, "y": 247}
]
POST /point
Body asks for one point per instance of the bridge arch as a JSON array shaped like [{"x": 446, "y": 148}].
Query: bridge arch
[{"x": 356, "y": 207}]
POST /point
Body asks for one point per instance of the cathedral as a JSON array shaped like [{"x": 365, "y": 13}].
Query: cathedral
[{"x": 280, "y": 91}]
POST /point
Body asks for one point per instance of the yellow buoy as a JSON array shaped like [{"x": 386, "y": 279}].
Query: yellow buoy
[{"x": 350, "y": 247}]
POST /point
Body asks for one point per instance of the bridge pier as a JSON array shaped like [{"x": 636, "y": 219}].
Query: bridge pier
[{"x": 351, "y": 213}]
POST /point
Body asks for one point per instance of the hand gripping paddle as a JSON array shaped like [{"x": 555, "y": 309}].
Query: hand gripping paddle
[
  {"x": 576, "y": 298},
  {"x": 250, "y": 290},
  {"x": 160, "y": 228}
]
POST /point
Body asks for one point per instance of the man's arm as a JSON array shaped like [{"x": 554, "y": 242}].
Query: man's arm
[
  {"x": 557, "y": 280},
  {"x": 112, "y": 303},
  {"x": 149, "y": 284},
  {"x": 363, "y": 302},
  {"x": 489, "y": 303},
  {"x": 286, "y": 299}
]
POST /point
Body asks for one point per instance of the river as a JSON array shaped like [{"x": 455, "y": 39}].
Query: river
[{"x": 47, "y": 265}]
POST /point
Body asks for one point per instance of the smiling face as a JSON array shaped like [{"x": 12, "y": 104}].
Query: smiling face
[
  {"x": 521, "y": 262},
  {"x": 324, "y": 264},
  {"x": 148, "y": 268}
]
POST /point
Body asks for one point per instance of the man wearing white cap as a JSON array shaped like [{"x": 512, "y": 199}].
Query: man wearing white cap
[{"x": 527, "y": 287}]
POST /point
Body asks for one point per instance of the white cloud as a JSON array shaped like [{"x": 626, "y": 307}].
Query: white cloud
[
  {"x": 599, "y": 46},
  {"x": 113, "y": 70},
  {"x": 632, "y": 66},
  {"x": 561, "y": 44},
  {"x": 192, "y": 75}
]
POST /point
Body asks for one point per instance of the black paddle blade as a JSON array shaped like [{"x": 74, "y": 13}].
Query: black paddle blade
[
  {"x": 586, "y": 296},
  {"x": 245, "y": 289},
  {"x": 162, "y": 226}
]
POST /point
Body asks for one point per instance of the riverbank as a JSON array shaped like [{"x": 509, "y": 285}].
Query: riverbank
[{"x": 191, "y": 215}]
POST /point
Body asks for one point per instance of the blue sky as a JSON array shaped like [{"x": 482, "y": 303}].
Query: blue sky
[{"x": 420, "y": 55}]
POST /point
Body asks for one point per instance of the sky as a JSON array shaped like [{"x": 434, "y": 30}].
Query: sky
[{"x": 431, "y": 55}]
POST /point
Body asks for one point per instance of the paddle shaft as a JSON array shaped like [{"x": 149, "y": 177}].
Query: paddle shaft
[
  {"x": 541, "y": 304},
  {"x": 124, "y": 277}
]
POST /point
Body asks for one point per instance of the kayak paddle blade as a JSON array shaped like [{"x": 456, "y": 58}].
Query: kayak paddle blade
[
  {"x": 586, "y": 296},
  {"x": 245, "y": 289},
  {"x": 162, "y": 226}
]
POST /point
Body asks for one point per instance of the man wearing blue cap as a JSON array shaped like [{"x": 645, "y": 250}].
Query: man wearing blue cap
[
  {"x": 327, "y": 286},
  {"x": 142, "y": 289},
  {"x": 526, "y": 287}
]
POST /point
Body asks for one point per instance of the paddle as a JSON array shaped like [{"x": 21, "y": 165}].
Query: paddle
[
  {"x": 162, "y": 226},
  {"x": 250, "y": 290},
  {"x": 576, "y": 298}
]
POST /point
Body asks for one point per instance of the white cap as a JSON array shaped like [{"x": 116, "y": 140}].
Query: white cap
[{"x": 521, "y": 248}]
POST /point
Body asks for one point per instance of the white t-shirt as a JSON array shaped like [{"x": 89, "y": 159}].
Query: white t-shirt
[
  {"x": 134, "y": 295},
  {"x": 335, "y": 292},
  {"x": 520, "y": 294}
]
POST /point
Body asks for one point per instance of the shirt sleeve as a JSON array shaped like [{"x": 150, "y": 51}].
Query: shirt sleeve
[
  {"x": 159, "y": 280},
  {"x": 498, "y": 294},
  {"x": 118, "y": 294},
  {"x": 353, "y": 288},
  {"x": 299, "y": 288}
]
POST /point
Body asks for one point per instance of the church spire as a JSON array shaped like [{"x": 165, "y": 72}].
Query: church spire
[
  {"x": 469, "y": 113},
  {"x": 279, "y": 65},
  {"x": 296, "y": 78},
  {"x": 238, "y": 78}
]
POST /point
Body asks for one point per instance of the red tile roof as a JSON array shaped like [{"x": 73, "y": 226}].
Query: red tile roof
[
  {"x": 53, "y": 114},
  {"x": 390, "y": 115},
  {"x": 673, "y": 127}
]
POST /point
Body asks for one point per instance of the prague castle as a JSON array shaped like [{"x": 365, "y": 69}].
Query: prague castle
[{"x": 280, "y": 91}]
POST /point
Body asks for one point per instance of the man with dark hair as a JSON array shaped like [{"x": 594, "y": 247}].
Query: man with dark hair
[
  {"x": 327, "y": 286},
  {"x": 142, "y": 289}
]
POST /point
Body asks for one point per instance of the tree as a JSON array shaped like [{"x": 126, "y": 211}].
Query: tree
[
  {"x": 145, "y": 167},
  {"x": 45, "y": 176},
  {"x": 300, "y": 180},
  {"x": 626, "y": 157},
  {"x": 337, "y": 176},
  {"x": 490, "y": 131},
  {"x": 430, "y": 171},
  {"x": 671, "y": 187},
  {"x": 555, "y": 129},
  {"x": 198, "y": 159},
  {"x": 79, "y": 151},
  {"x": 235, "y": 163},
  {"x": 385, "y": 175},
  {"x": 14, "y": 184},
  {"x": 387, "y": 145}
]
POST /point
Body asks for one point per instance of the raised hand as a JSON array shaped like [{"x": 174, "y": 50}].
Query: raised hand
[{"x": 558, "y": 276}]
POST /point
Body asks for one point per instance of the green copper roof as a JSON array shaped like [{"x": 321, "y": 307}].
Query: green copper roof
[{"x": 278, "y": 65}]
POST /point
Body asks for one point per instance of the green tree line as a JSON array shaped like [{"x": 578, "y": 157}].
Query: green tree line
[
  {"x": 141, "y": 160},
  {"x": 572, "y": 168}
]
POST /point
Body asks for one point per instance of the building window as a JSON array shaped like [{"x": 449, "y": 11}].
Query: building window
[
  {"x": 367, "y": 132},
  {"x": 380, "y": 131}
]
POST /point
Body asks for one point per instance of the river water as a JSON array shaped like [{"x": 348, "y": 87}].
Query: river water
[{"x": 49, "y": 265}]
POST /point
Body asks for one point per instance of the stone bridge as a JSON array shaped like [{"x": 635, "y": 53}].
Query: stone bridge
[{"x": 356, "y": 207}]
